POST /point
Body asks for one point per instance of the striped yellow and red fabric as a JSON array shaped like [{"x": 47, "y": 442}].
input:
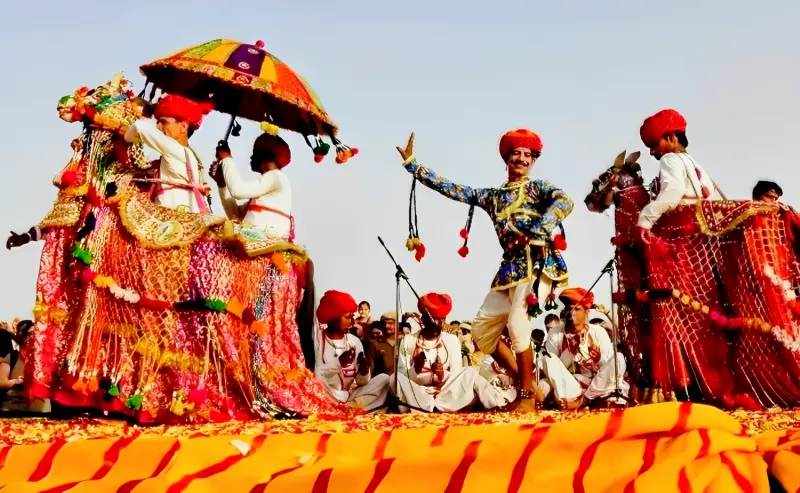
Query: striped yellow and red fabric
[
  {"x": 250, "y": 67},
  {"x": 665, "y": 447}
]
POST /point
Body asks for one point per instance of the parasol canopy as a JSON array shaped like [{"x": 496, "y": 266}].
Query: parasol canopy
[{"x": 244, "y": 80}]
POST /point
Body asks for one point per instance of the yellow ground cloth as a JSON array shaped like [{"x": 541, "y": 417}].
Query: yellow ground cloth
[{"x": 661, "y": 447}]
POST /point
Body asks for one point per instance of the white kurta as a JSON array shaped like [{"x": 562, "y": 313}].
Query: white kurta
[
  {"x": 503, "y": 309},
  {"x": 592, "y": 379},
  {"x": 678, "y": 184},
  {"x": 369, "y": 393},
  {"x": 270, "y": 190},
  {"x": 461, "y": 386},
  {"x": 173, "y": 173}
]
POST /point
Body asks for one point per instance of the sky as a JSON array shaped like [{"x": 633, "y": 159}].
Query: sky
[{"x": 581, "y": 74}]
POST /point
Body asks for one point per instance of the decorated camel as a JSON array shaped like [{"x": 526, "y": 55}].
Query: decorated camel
[
  {"x": 707, "y": 311},
  {"x": 156, "y": 313}
]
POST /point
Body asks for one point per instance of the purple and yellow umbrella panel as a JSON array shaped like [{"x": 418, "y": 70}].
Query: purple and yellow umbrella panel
[{"x": 246, "y": 81}]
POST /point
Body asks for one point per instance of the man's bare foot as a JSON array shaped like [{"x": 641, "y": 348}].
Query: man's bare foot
[{"x": 573, "y": 405}]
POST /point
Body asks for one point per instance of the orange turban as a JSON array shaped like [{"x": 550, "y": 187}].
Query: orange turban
[
  {"x": 663, "y": 122},
  {"x": 182, "y": 109},
  {"x": 520, "y": 137},
  {"x": 334, "y": 304},
  {"x": 573, "y": 296},
  {"x": 275, "y": 145},
  {"x": 437, "y": 305}
]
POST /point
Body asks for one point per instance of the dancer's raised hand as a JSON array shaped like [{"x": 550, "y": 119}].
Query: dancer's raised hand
[{"x": 409, "y": 150}]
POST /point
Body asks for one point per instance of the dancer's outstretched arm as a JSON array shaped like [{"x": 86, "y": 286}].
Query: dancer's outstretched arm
[{"x": 426, "y": 176}]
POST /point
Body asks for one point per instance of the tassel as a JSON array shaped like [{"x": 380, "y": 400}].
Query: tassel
[
  {"x": 114, "y": 390},
  {"x": 135, "y": 401},
  {"x": 464, "y": 250},
  {"x": 248, "y": 317},
  {"x": 414, "y": 243},
  {"x": 560, "y": 240}
]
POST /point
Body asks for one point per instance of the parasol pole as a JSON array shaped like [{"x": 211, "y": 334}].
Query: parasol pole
[{"x": 230, "y": 127}]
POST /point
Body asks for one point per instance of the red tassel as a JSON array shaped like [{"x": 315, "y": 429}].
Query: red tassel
[
  {"x": 69, "y": 178},
  {"x": 463, "y": 251},
  {"x": 248, "y": 317},
  {"x": 464, "y": 233},
  {"x": 88, "y": 275},
  {"x": 531, "y": 300},
  {"x": 419, "y": 248},
  {"x": 559, "y": 242},
  {"x": 153, "y": 304},
  {"x": 318, "y": 158}
]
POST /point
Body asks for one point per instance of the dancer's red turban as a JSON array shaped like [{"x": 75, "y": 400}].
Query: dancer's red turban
[
  {"x": 438, "y": 305},
  {"x": 663, "y": 122},
  {"x": 333, "y": 305},
  {"x": 520, "y": 137},
  {"x": 182, "y": 109},
  {"x": 275, "y": 145},
  {"x": 574, "y": 296}
]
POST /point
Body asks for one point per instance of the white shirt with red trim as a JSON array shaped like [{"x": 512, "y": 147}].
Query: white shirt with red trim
[
  {"x": 446, "y": 347},
  {"x": 677, "y": 184},
  {"x": 267, "y": 199},
  {"x": 173, "y": 174},
  {"x": 327, "y": 368}
]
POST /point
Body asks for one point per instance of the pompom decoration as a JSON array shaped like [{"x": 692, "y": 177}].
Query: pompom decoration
[
  {"x": 464, "y": 234},
  {"x": 419, "y": 251},
  {"x": 69, "y": 178},
  {"x": 463, "y": 251},
  {"x": 531, "y": 299},
  {"x": 559, "y": 242}
]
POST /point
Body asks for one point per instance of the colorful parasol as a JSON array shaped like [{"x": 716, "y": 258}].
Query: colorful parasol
[{"x": 246, "y": 81}]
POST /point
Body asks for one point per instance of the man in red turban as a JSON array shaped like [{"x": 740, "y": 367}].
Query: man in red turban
[
  {"x": 524, "y": 213},
  {"x": 583, "y": 346},
  {"x": 431, "y": 374},
  {"x": 266, "y": 202},
  {"x": 681, "y": 180},
  {"x": 180, "y": 183},
  {"x": 340, "y": 364}
]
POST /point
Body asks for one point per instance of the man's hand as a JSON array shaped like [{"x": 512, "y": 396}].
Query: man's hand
[
  {"x": 215, "y": 171},
  {"x": 419, "y": 362},
  {"x": 594, "y": 353},
  {"x": 409, "y": 150},
  {"x": 573, "y": 341},
  {"x": 438, "y": 371},
  {"x": 223, "y": 150},
  {"x": 347, "y": 358},
  {"x": 16, "y": 240},
  {"x": 645, "y": 236},
  {"x": 361, "y": 361}
]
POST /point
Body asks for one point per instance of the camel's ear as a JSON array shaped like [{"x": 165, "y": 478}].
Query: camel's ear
[
  {"x": 620, "y": 160},
  {"x": 633, "y": 157}
]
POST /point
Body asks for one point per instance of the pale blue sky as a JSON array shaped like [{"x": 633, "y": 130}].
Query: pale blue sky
[{"x": 459, "y": 74}]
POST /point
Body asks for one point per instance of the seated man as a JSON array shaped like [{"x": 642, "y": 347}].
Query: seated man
[
  {"x": 180, "y": 182},
  {"x": 430, "y": 374},
  {"x": 268, "y": 199},
  {"x": 580, "y": 362},
  {"x": 340, "y": 361}
]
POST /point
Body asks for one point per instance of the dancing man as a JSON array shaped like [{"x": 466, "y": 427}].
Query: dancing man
[
  {"x": 431, "y": 375},
  {"x": 268, "y": 200},
  {"x": 680, "y": 179},
  {"x": 180, "y": 183},
  {"x": 524, "y": 213},
  {"x": 340, "y": 361},
  {"x": 586, "y": 348}
]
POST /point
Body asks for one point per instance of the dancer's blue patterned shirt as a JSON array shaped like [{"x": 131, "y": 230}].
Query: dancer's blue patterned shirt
[{"x": 530, "y": 208}]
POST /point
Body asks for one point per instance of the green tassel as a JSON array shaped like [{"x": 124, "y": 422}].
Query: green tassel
[
  {"x": 82, "y": 254},
  {"x": 216, "y": 305},
  {"x": 114, "y": 391},
  {"x": 135, "y": 401}
]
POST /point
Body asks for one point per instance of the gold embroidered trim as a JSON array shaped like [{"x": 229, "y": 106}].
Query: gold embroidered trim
[{"x": 753, "y": 210}]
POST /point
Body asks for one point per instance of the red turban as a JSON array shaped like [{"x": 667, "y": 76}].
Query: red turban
[
  {"x": 437, "y": 305},
  {"x": 573, "y": 296},
  {"x": 334, "y": 304},
  {"x": 663, "y": 122},
  {"x": 275, "y": 145},
  {"x": 520, "y": 137},
  {"x": 182, "y": 109}
]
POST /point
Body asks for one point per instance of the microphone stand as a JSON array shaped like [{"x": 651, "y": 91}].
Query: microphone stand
[
  {"x": 617, "y": 392},
  {"x": 393, "y": 400}
]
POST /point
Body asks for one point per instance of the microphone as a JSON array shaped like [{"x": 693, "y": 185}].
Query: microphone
[{"x": 538, "y": 341}]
